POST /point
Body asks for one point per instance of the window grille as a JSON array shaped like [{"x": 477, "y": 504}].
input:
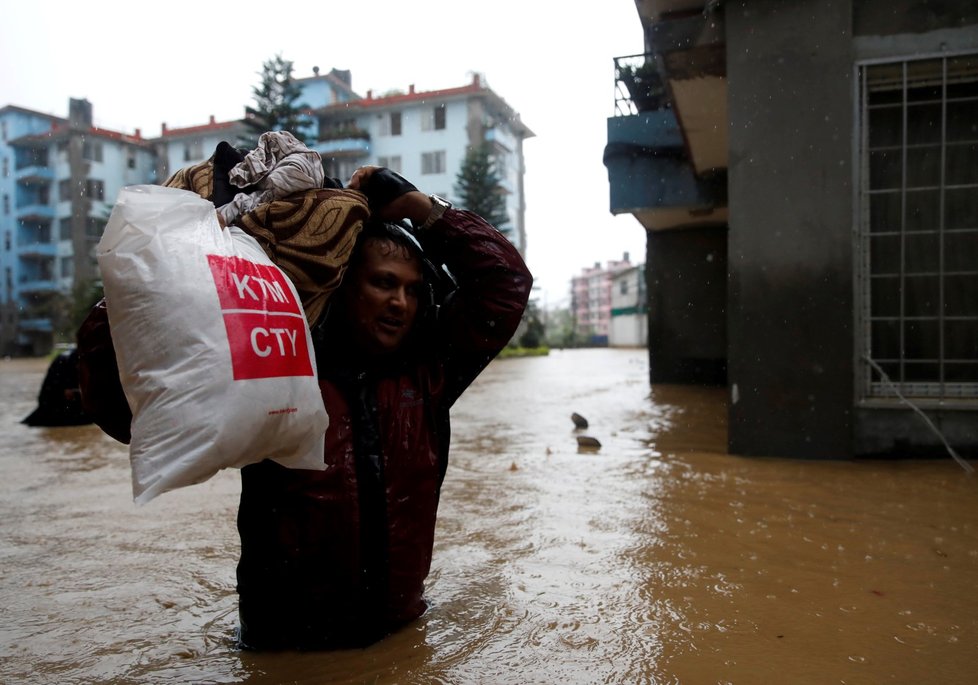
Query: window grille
[{"x": 918, "y": 227}]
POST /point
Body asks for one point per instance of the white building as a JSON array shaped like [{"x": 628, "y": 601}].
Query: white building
[
  {"x": 629, "y": 309},
  {"x": 424, "y": 135}
]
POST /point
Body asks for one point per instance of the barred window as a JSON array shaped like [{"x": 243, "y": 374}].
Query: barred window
[{"x": 918, "y": 227}]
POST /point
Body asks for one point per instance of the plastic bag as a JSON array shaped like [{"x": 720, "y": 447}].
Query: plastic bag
[{"x": 215, "y": 355}]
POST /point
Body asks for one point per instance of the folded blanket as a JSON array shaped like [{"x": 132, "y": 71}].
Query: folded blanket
[{"x": 309, "y": 234}]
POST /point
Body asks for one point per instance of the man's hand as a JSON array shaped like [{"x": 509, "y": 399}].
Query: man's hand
[{"x": 412, "y": 204}]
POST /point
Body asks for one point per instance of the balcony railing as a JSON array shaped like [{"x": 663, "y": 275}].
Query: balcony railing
[
  {"x": 639, "y": 86},
  {"x": 36, "y": 173}
]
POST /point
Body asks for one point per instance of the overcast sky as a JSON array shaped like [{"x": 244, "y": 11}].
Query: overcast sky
[{"x": 143, "y": 63}]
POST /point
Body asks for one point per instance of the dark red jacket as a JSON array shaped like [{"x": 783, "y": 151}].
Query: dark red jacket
[{"x": 339, "y": 557}]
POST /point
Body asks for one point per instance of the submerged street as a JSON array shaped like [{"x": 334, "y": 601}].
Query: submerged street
[{"x": 656, "y": 559}]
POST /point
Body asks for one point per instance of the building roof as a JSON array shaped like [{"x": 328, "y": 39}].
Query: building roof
[
  {"x": 412, "y": 96},
  {"x": 60, "y": 129},
  {"x": 210, "y": 126},
  {"x": 333, "y": 78},
  {"x": 31, "y": 112}
]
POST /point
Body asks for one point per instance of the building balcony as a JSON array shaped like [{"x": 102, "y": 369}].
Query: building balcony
[
  {"x": 37, "y": 285},
  {"x": 34, "y": 174},
  {"x": 650, "y": 175},
  {"x": 349, "y": 145},
  {"x": 35, "y": 212},
  {"x": 38, "y": 249},
  {"x": 35, "y": 325}
]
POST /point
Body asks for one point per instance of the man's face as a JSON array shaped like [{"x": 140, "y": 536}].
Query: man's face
[{"x": 382, "y": 297}]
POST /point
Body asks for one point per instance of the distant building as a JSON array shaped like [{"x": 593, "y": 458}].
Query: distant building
[
  {"x": 591, "y": 300},
  {"x": 60, "y": 177},
  {"x": 807, "y": 174},
  {"x": 629, "y": 309},
  {"x": 424, "y": 136},
  {"x": 177, "y": 148}
]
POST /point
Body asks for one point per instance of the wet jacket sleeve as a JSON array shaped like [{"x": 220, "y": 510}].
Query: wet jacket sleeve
[{"x": 483, "y": 313}]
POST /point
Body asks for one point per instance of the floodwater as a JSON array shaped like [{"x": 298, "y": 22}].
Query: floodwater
[{"x": 657, "y": 559}]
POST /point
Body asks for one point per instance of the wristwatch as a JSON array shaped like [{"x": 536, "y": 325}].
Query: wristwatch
[{"x": 438, "y": 207}]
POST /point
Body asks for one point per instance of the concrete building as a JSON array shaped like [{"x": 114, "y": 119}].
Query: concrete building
[
  {"x": 807, "y": 173},
  {"x": 60, "y": 178},
  {"x": 629, "y": 312},
  {"x": 424, "y": 136},
  {"x": 591, "y": 300},
  {"x": 177, "y": 148}
]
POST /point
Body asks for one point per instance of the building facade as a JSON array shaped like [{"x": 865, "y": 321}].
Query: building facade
[
  {"x": 60, "y": 179},
  {"x": 629, "y": 309},
  {"x": 591, "y": 295},
  {"x": 424, "y": 135},
  {"x": 807, "y": 177}
]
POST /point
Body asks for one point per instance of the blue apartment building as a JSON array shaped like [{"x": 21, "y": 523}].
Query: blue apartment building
[{"x": 59, "y": 178}]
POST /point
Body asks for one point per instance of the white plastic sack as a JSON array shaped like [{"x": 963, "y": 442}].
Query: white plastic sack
[{"x": 214, "y": 352}]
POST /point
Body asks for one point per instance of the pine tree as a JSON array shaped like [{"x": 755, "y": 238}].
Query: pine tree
[
  {"x": 479, "y": 188},
  {"x": 276, "y": 104}
]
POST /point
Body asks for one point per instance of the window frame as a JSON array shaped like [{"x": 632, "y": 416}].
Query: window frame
[{"x": 871, "y": 388}]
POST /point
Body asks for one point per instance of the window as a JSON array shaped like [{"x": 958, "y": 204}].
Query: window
[
  {"x": 94, "y": 227},
  {"x": 918, "y": 227},
  {"x": 64, "y": 228},
  {"x": 393, "y": 162},
  {"x": 92, "y": 151},
  {"x": 6, "y": 204},
  {"x": 67, "y": 268},
  {"x": 3, "y": 129},
  {"x": 433, "y": 119},
  {"x": 193, "y": 151},
  {"x": 64, "y": 189},
  {"x": 6, "y": 241},
  {"x": 433, "y": 162},
  {"x": 131, "y": 159},
  {"x": 6, "y": 167},
  {"x": 390, "y": 124},
  {"x": 95, "y": 189}
]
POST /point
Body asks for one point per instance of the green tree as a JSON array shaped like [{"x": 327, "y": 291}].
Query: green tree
[
  {"x": 535, "y": 333},
  {"x": 478, "y": 186},
  {"x": 277, "y": 106}
]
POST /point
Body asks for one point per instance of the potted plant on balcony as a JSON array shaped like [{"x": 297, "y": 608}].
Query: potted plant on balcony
[{"x": 645, "y": 86}]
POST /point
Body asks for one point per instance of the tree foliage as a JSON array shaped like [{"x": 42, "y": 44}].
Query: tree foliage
[
  {"x": 478, "y": 186},
  {"x": 535, "y": 333},
  {"x": 277, "y": 106}
]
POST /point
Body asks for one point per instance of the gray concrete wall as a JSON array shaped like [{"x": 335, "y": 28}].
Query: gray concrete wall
[
  {"x": 687, "y": 291},
  {"x": 790, "y": 284}
]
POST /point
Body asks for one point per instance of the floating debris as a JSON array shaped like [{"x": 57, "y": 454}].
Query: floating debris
[
  {"x": 588, "y": 443},
  {"x": 579, "y": 421}
]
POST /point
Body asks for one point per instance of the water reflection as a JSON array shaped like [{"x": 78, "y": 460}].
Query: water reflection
[{"x": 655, "y": 559}]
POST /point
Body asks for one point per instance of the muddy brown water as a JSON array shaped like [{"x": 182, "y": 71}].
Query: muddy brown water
[{"x": 658, "y": 559}]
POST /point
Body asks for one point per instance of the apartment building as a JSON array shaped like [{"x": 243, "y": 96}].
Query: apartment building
[
  {"x": 59, "y": 179},
  {"x": 591, "y": 300},
  {"x": 424, "y": 135}
]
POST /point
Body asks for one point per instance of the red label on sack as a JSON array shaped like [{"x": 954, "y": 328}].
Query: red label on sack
[{"x": 265, "y": 325}]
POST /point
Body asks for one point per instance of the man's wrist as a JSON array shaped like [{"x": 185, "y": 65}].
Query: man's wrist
[{"x": 439, "y": 206}]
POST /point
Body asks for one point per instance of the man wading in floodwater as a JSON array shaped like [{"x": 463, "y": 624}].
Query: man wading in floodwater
[{"x": 338, "y": 558}]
